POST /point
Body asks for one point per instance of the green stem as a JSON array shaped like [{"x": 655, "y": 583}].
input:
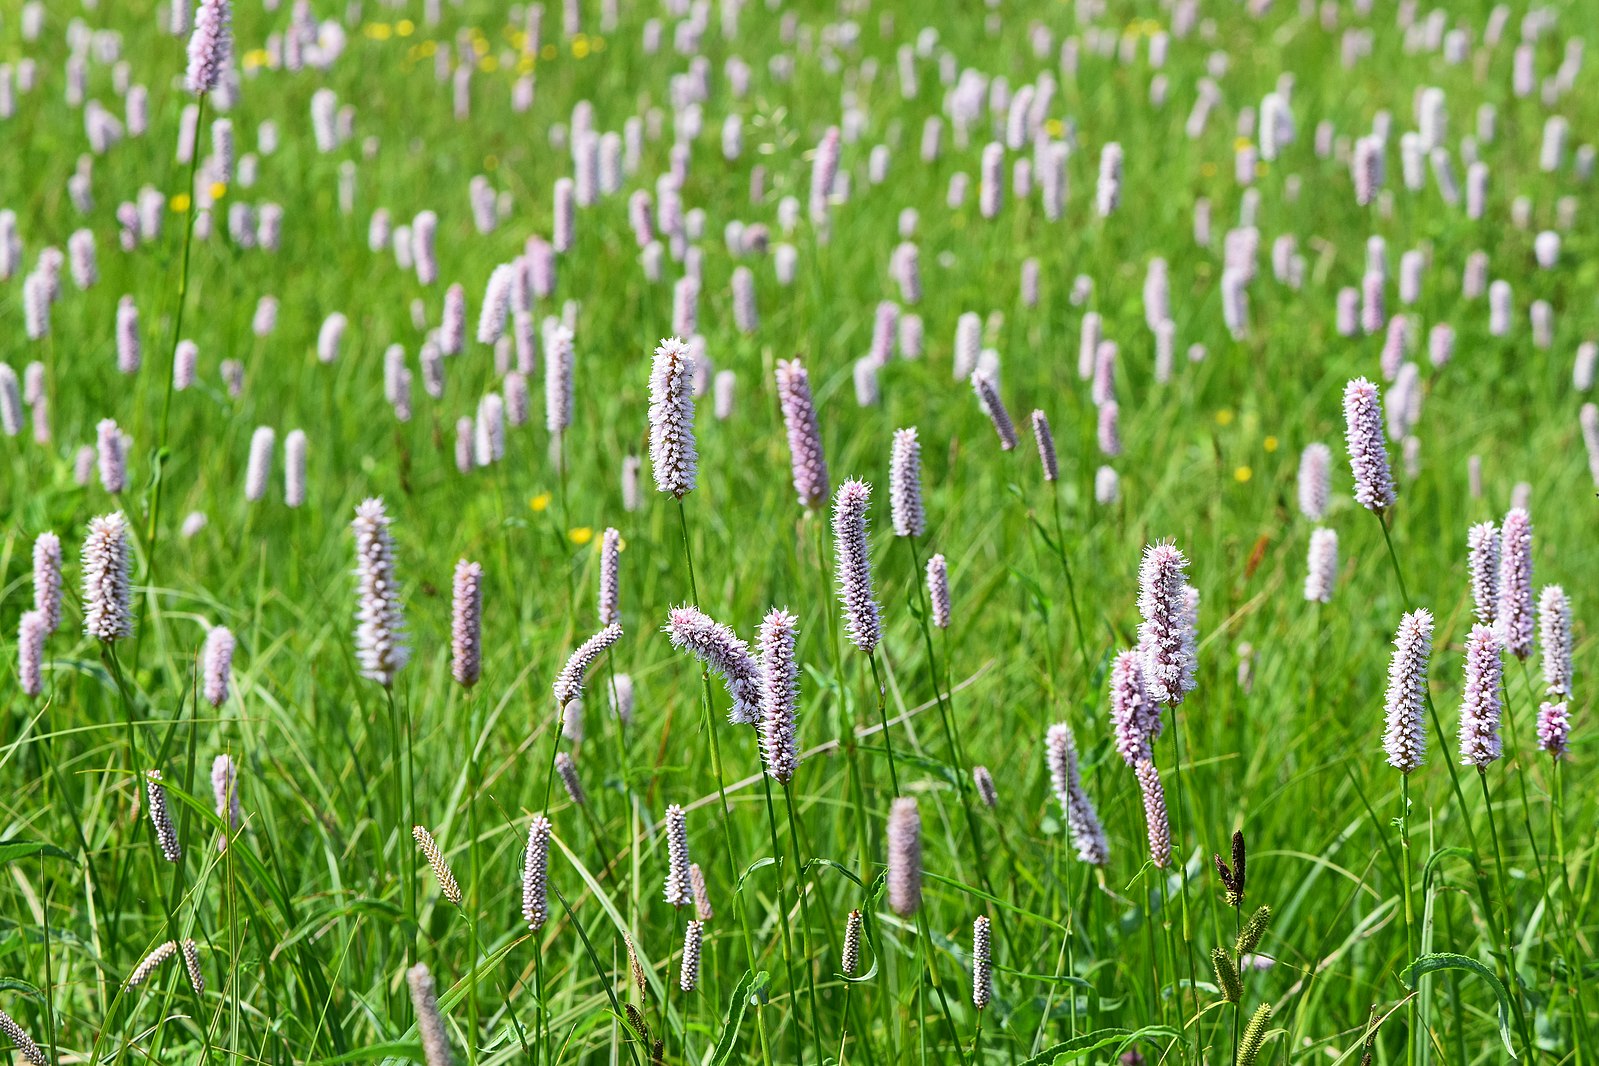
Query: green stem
[{"x": 1412, "y": 1034}]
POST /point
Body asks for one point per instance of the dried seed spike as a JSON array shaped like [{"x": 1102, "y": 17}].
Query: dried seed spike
[
  {"x": 1239, "y": 859},
  {"x": 441, "y": 868},
  {"x": 637, "y": 969}
]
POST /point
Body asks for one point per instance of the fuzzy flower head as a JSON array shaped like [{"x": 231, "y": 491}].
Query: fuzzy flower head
[
  {"x": 672, "y": 454},
  {"x": 47, "y": 580},
  {"x": 1134, "y": 717},
  {"x": 938, "y": 590},
  {"x": 1163, "y": 635},
  {"x": 466, "y": 623},
  {"x": 904, "y": 857},
  {"x": 806, "y": 459},
  {"x": 719, "y": 648},
  {"x": 217, "y": 659},
  {"x": 1368, "y": 450},
  {"x": 569, "y": 682},
  {"x": 905, "y": 485},
  {"x": 1554, "y": 639},
  {"x": 1156, "y": 823},
  {"x": 380, "y": 617},
  {"x": 225, "y": 791},
  {"x": 1046, "y": 446},
  {"x": 1321, "y": 565},
  {"x": 853, "y": 566},
  {"x": 1405, "y": 735},
  {"x": 429, "y": 1022},
  {"x": 679, "y": 889},
  {"x": 1482, "y": 564},
  {"x": 535, "y": 870},
  {"x": 779, "y": 690},
  {"x": 210, "y": 46},
  {"x": 1514, "y": 614},
  {"x": 1479, "y": 701},
  {"x": 1315, "y": 462},
  {"x": 1554, "y": 728},
  {"x": 1082, "y": 821},
  {"x": 107, "y": 579},
  {"x": 987, "y": 391}
]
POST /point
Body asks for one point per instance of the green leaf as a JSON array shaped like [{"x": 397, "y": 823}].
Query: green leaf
[
  {"x": 12, "y": 850},
  {"x": 11, "y": 984},
  {"x": 1444, "y": 960},
  {"x": 735, "y": 1019},
  {"x": 756, "y": 865},
  {"x": 1076, "y": 1048},
  {"x": 410, "y": 1050},
  {"x": 1439, "y": 856}
]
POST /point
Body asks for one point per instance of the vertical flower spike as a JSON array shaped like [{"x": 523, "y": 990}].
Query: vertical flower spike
[
  {"x": 1479, "y": 702},
  {"x": 448, "y": 886},
  {"x": 982, "y": 967},
  {"x": 679, "y": 890},
  {"x": 429, "y": 1022},
  {"x": 557, "y": 380},
  {"x": 112, "y": 455},
  {"x": 1322, "y": 565},
  {"x": 566, "y": 768},
  {"x": 938, "y": 590},
  {"x": 689, "y": 971},
  {"x": 1405, "y": 735},
  {"x": 806, "y": 458},
  {"x": 294, "y": 448},
  {"x": 160, "y": 817},
  {"x": 1163, "y": 634},
  {"x": 380, "y": 643},
  {"x": 702, "y": 896},
  {"x": 1082, "y": 821},
  {"x": 904, "y": 857},
  {"x": 610, "y": 582},
  {"x": 779, "y": 695},
  {"x": 569, "y": 682},
  {"x": 225, "y": 791},
  {"x": 1554, "y": 638},
  {"x": 107, "y": 583},
  {"x": 535, "y": 869},
  {"x": 853, "y": 564},
  {"x": 1046, "y": 446},
  {"x": 1108, "y": 191},
  {"x": 1368, "y": 451},
  {"x": 849, "y": 962},
  {"x": 905, "y": 485},
  {"x": 31, "y": 632},
  {"x": 1156, "y": 823},
  {"x": 466, "y": 623},
  {"x": 1315, "y": 486},
  {"x": 259, "y": 468},
  {"x": 1134, "y": 716},
  {"x": 719, "y": 648},
  {"x": 191, "y": 965},
  {"x": 1482, "y": 563},
  {"x": 210, "y": 46},
  {"x": 47, "y": 580},
  {"x": 983, "y": 782},
  {"x": 673, "y": 458},
  {"x": 22, "y": 1041},
  {"x": 994, "y": 408},
  {"x": 1554, "y": 728},
  {"x": 1514, "y": 612},
  {"x": 217, "y": 658}
]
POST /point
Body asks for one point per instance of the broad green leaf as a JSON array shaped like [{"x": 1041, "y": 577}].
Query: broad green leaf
[{"x": 1444, "y": 960}]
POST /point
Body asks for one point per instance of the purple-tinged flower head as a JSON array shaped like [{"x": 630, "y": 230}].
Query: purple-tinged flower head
[
  {"x": 1368, "y": 451},
  {"x": 1110, "y": 438},
  {"x": 1321, "y": 565},
  {"x": 569, "y": 682},
  {"x": 719, "y": 648},
  {"x": 685, "y": 306},
  {"x": 1479, "y": 701},
  {"x": 1373, "y": 311},
  {"x": 424, "y": 230},
  {"x": 982, "y": 966},
  {"x": 217, "y": 664},
  {"x": 185, "y": 364},
  {"x": 968, "y": 343},
  {"x": 210, "y": 46},
  {"x": 702, "y": 896},
  {"x": 1156, "y": 823},
  {"x": 111, "y": 456},
  {"x": 885, "y": 325},
  {"x": 380, "y": 643},
  {"x": 1315, "y": 484},
  {"x": 225, "y": 792},
  {"x": 988, "y": 398},
  {"x": 673, "y": 457},
  {"x": 610, "y": 564},
  {"x": 806, "y": 458},
  {"x": 557, "y": 379},
  {"x": 129, "y": 350},
  {"x": 853, "y": 567},
  {"x": 824, "y": 171},
  {"x": 1108, "y": 190},
  {"x": 294, "y": 449},
  {"x": 1046, "y": 446},
  {"x": 47, "y": 580},
  {"x": 161, "y": 817},
  {"x": 21, "y": 1041},
  {"x": 563, "y": 231},
  {"x": 745, "y": 316},
  {"x": 938, "y": 590},
  {"x": 689, "y": 968},
  {"x": 1405, "y": 733},
  {"x": 331, "y": 336},
  {"x": 1082, "y": 821},
  {"x": 1104, "y": 386},
  {"x": 1514, "y": 613},
  {"x": 10, "y": 402},
  {"x": 1554, "y": 728},
  {"x": 535, "y": 869},
  {"x": 429, "y": 1022},
  {"x": 452, "y": 321},
  {"x": 1554, "y": 639},
  {"x": 905, "y": 485},
  {"x": 1366, "y": 169},
  {"x": 1163, "y": 633},
  {"x": 679, "y": 892},
  {"x": 265, "y": 319},
  {"x": 565, "y": 766},
  {"x": 779, "y": 689},
  {"x": 1135, "y": 719},
  {"x": 904, "y": 876},
  {"x": 107, "y": 579},
  {"x": 496, "y": 304},
  {"x": 1482, "y": 564},
  {"x": 259, "y": 467},
  {"x": 983, "y": 782},
  {"x": 466, "y": 623},
  {"x": 31, "y": 631},
  {"x": 991, "y": 185}
]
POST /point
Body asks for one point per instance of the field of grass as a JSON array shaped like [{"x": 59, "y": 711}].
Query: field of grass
[{"x": 1445, "y": 915}]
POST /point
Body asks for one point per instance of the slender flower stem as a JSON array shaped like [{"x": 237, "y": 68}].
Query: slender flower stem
[
  {"x": 1512, "y": 983},
  {"x": 1182, "y": 876},
  {"x": 783, "y": 923},
  {"x": 805, "y": 922},
  {"x": 882, "y": 714},
  {"x": 1412, "y": 1034}
]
